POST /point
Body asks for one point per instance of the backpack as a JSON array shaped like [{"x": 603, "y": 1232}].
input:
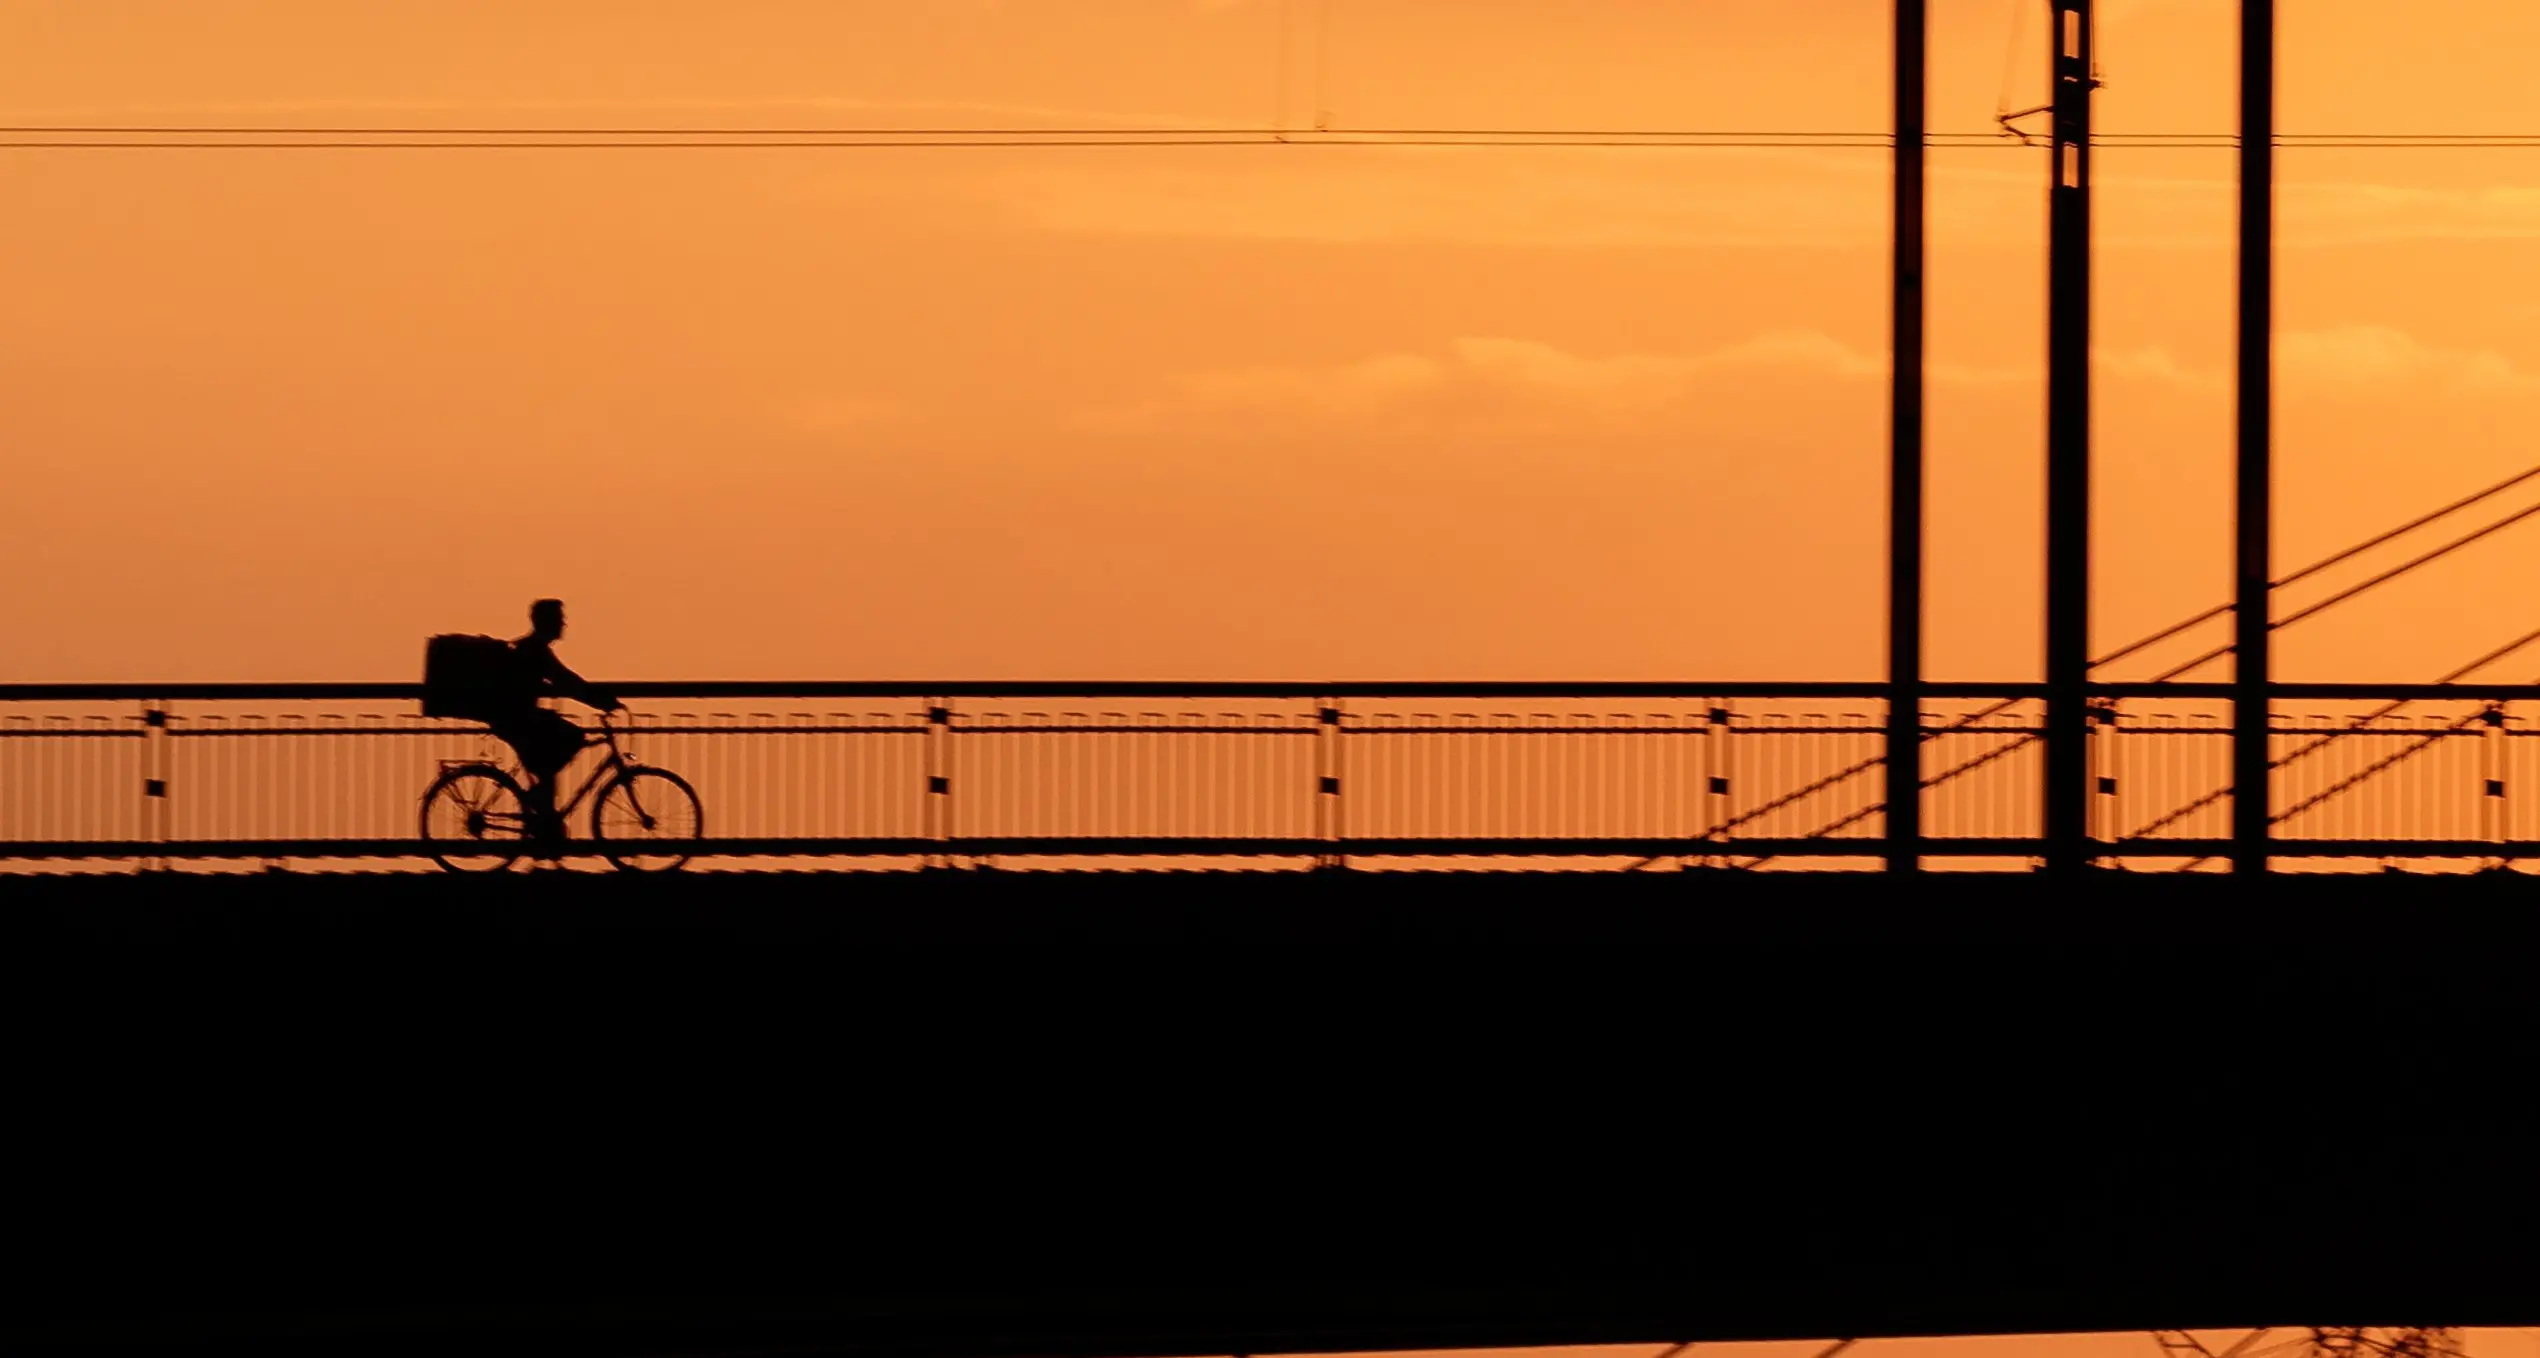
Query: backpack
[{"x": 465, "y": 676}]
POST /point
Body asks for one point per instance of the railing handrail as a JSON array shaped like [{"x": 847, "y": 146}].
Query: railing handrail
[
  {"x": 1866, "y": 690},
  {"x": 1028, "y": 688},
  {"x": 1687, "y": 759}
]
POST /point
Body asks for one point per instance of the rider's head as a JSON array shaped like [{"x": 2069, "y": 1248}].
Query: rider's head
[{"x": 546, "y": 619}]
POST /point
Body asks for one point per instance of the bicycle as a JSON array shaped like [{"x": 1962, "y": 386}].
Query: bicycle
[{"x": 475, "y": 815}]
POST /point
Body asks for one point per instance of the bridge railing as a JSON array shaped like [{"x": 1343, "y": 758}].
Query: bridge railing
[{"x": 1732, "y": 774}]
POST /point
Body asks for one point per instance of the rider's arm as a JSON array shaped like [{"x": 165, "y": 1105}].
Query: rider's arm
[{"x": 572, "y": 685}]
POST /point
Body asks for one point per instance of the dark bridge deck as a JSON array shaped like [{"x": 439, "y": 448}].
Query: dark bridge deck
[
  {"x": 294, "y": 909},
  {"x": 350, "y": 1115}
]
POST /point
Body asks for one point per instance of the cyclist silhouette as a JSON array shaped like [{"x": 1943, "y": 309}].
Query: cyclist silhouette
[{"x": 546, "y": 741}]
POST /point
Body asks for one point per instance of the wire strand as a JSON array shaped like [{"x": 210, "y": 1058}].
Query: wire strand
[{"x": 116, "y": 136}]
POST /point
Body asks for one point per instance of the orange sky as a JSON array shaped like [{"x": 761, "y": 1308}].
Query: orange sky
[{"x": 1247, "y": 412}]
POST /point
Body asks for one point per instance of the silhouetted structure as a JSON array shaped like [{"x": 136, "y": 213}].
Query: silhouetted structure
[
  {"x": 546, "y": 741},
  {"x": 1805, "y": 805},
  {"x": 2253, "y": 620},
  {"x": 718, "y": 1116},
  {"x": 1903, "y": 754}
]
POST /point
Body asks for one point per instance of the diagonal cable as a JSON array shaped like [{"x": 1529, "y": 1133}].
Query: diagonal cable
[
  {"x": 2421, "y": 559},
  {"x": 2029, "y": 739},
  {"x": 2357, "y": 724},
  {"x": 2332, "y": 559},
  {"x": 2422, "y": 744},
  {"x": 1850, "y": 772}
]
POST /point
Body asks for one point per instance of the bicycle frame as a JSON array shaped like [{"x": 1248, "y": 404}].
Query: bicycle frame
[
  {"x": 517, "y": 829},
  {"x": 611, "y": 766}
]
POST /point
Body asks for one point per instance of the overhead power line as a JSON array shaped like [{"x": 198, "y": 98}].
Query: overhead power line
[{"x": 104, "y": 136}]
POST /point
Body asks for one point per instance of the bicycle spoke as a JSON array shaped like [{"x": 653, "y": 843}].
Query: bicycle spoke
[
  {"x": 472, "y": 818},
  {"x": 648, "y": 805}
]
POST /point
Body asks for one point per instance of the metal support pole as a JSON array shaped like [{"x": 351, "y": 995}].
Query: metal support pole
[
  {"x": 2253, "y": 665},
  {"x": 1905, "y": 453},
  {"x": 1330, "y": 825},
  {"x": 156, "y": 758},
  {"x": 939, "y": 811},
  {"x": 2067, "y": 793}
]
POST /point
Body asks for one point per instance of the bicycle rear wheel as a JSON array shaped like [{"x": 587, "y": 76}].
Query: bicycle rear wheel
[
  {"x": 473, "y": 819},
  {"x": 647, "y": 806}
]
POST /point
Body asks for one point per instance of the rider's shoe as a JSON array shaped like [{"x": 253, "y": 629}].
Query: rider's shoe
[{"x": 546, "y": 841}]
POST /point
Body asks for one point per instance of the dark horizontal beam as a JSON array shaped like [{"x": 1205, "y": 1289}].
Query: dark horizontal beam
[
  {"x": 1275, "y": 689},
  {"x": 1017, "y": 846},
  {"x": 991, "y": 688},
  {"x": 1299, "y": 848}
]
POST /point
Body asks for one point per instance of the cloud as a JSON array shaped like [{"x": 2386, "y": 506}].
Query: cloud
[
  {"x": 2114, "y": 11},
  {"x": 1474, "y": 370},
  {"x": 1713, "y": 197},
  {"x": 1496, "y": 380},
  {"x": 2197, "y": 212},
  {"x": 2151, "y": 363},
  {"x": 1495, "y": 195},
  {"x": 2365, "y": 213},
  {"x": 2375, "y": 354},
  {"x": 1499, "y": 381}
]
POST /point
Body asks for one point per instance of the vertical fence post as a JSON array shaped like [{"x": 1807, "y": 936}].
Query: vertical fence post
[
  {"x": 2492, "y": 805},
  {"x": 1330, "y": 824},
  {"x": 2105, "y": 743},
  {"x": 2505, "y": 770},
  {"x": 154, "y": 782},
  {"x": 1718, "y": 785},
  {"x": 939, "y": 808}
]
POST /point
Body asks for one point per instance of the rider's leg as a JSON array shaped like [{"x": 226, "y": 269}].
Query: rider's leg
[
  {"x": 537, "y": 790},
  {"x": 538, "y": 800},
  {"x": 546, "y": 743}
]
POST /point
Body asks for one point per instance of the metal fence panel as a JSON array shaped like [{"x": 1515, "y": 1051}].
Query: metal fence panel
[{"x": 1734, "y": 774}]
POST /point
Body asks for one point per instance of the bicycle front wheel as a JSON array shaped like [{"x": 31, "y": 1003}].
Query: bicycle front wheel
[
  {"x": 648, "y": 807},
  {"x": 473, "y": 820}
]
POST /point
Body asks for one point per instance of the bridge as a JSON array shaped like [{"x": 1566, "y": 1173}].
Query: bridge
[
  {"x": 312, "y": 1116},
  {"x": 2087, "y": 767},
  {"x": 1618, "y": 775},
  {"x": 336, "y": 1113}
]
